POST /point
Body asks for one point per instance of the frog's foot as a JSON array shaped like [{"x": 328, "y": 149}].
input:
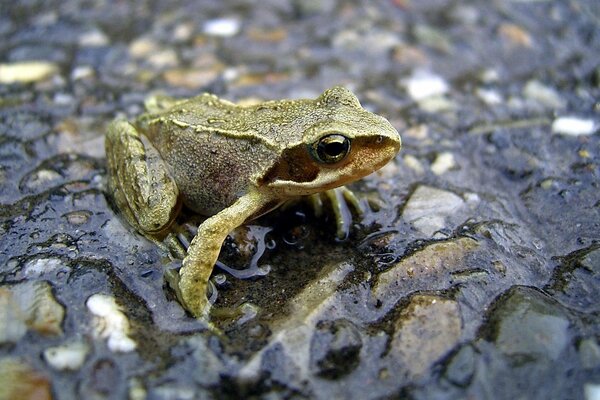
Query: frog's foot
[{"x": 342, "y": 200}]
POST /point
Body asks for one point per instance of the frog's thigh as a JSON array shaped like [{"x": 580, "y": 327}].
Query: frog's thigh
[{"x": 139, "y": 180}]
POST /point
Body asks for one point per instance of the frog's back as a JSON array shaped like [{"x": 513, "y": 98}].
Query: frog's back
[{"x": 213, "y": 157}]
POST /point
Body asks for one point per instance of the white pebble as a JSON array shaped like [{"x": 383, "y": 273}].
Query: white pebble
[
  {"x": 424, "y": 84},
  {"x": 67, "y": 357},
  {"x": 223, "y": 27},
  {"x": 444, "y": 162},
  {"x": 591, "y": 391},
  {"x": 112, "y": 325},
  {"x": 573, "y": 126}
]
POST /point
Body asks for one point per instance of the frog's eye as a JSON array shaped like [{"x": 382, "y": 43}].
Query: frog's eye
[{"x": 331, "y": 149}]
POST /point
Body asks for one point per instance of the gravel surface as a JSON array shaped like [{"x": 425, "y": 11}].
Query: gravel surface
[{"x": 476, "y": 275}]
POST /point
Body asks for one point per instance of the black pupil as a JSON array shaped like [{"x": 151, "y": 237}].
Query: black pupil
[{"x": 332, "y": 148}]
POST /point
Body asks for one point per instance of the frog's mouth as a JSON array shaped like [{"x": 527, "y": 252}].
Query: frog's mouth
[{"x": 297, "y": 173}]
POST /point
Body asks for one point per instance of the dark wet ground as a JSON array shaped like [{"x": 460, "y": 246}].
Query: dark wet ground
[{"x": 477, "y": 278}]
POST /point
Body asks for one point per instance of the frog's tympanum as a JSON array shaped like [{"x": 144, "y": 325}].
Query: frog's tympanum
[{"x": 233, "y": 163}]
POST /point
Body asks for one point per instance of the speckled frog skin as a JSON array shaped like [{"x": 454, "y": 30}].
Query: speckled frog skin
[{"x": 233, "y": 163}]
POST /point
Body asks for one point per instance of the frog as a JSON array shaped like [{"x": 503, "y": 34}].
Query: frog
[{"x": 232, "y": 163}]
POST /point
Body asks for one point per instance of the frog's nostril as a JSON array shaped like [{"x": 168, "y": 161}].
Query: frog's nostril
[{"x": 379, "y": 139}]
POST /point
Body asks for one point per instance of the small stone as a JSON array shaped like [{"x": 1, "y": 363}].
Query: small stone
[
  {"x": 425, "y": 331},
  {"x": 42, "y": 266},
  {"x": 423, "y": 84},
  {"x": 527, "y": 323},
  {"x": 591, "y": 391},
  {"x": 335, "y": 348},
  {"x": 68, "y": 357},
  {"x": 111, "y": 324},
  {"x": 428, "y": 207},
  {"x": 435, "y": 260},
  {"x": 191, "y": 78},
  {"x": 515, "y": 35},
  {"x": 490, "y": 97},
  {"x": 29, "y": 306},
  {"x": 163, "y": 58},
  {"x": 19, "y": 381},
  {"x": 413, "y": 163},
  {"x": 222, "y": 27},
  {"x": 573, "y": 126},
  {"x": 461, "y": 368},
  {"x": 82, "y": 73},
  {"x": 78, "y": 217},
  {"x": 443, "y": 163},
  {"x": 93, "y": 38},
  {"x": 547, "y": 96},
  {"x": 27, "y": 71},
  {"x": 143, "y": 47},
  {"x": 589, "y": 353}
]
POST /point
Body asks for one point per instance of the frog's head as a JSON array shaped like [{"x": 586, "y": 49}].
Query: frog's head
[{"x": 342, "y": 143}]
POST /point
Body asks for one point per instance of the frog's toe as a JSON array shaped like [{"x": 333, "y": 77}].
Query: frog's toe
[{"x": 342, "y": 201}]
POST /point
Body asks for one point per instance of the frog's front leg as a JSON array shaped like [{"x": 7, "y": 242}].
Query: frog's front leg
[
  {"x": 139, "y": 182},
  {"x": 205, "y": 248}
]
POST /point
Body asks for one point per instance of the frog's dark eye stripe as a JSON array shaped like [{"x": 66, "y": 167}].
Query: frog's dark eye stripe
[{"x": 331, "y": 149}]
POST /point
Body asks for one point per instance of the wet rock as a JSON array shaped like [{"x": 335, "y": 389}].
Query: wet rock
[
  {"x": 429, "y": 208},
  {"x": 104, "y": 381},
  {"x": 528, "y": 325},
  {"x": 27, "y": 71},
  {"x": 427, "y": 328},
  {"x": 589, "y": 352},
  {"x": 69, "y": 357},
  {"x": 335, "y": 348},
  {"x": 292, "y": 334},
  {"x": 20, "y": 381},
  {"x": 428, "y": 268},
  {"x": 461, "y": 368},
  {"x": 29, "y": 306}
]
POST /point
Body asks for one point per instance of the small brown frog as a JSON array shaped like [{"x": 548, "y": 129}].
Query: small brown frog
[{"x": 233, "y": 163}]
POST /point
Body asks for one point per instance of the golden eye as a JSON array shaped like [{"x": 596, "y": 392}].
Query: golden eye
[{"x": 331, "y": 149}]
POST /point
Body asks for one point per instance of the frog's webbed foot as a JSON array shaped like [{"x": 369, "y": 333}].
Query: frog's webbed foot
[{"x": 342, "y": 200}]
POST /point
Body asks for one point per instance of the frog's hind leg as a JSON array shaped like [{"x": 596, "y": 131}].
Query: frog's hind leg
[{"x": 139, "y": 181}]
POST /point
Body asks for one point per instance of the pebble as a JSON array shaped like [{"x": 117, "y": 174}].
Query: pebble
[
  {"x": 545, "y": 95},
  {"x": 222, "y": 27},
  {"x": 443, "y": 163},
  {"x": 27, "y": 71},
  {"x": 68, "y": 357},
  {"x": 428, "y": 207},
  {"x": 427, "y": 329},
  {"x": 112, "y": 324},
  {"x": 573, "y": 126},
  {"x": 490, "y": 97},
  {"x": 529, "y": 324},
  {"x": 19, "y": 381},
  {"x": 423, "y": 84},
  {"x": 41, "y": 266},
  {"x": 94, "y": 38},
  {"x": 591, "y": 391},
  {"x": 29, "y": 306},
  {"x": 191, "y": 78}
]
